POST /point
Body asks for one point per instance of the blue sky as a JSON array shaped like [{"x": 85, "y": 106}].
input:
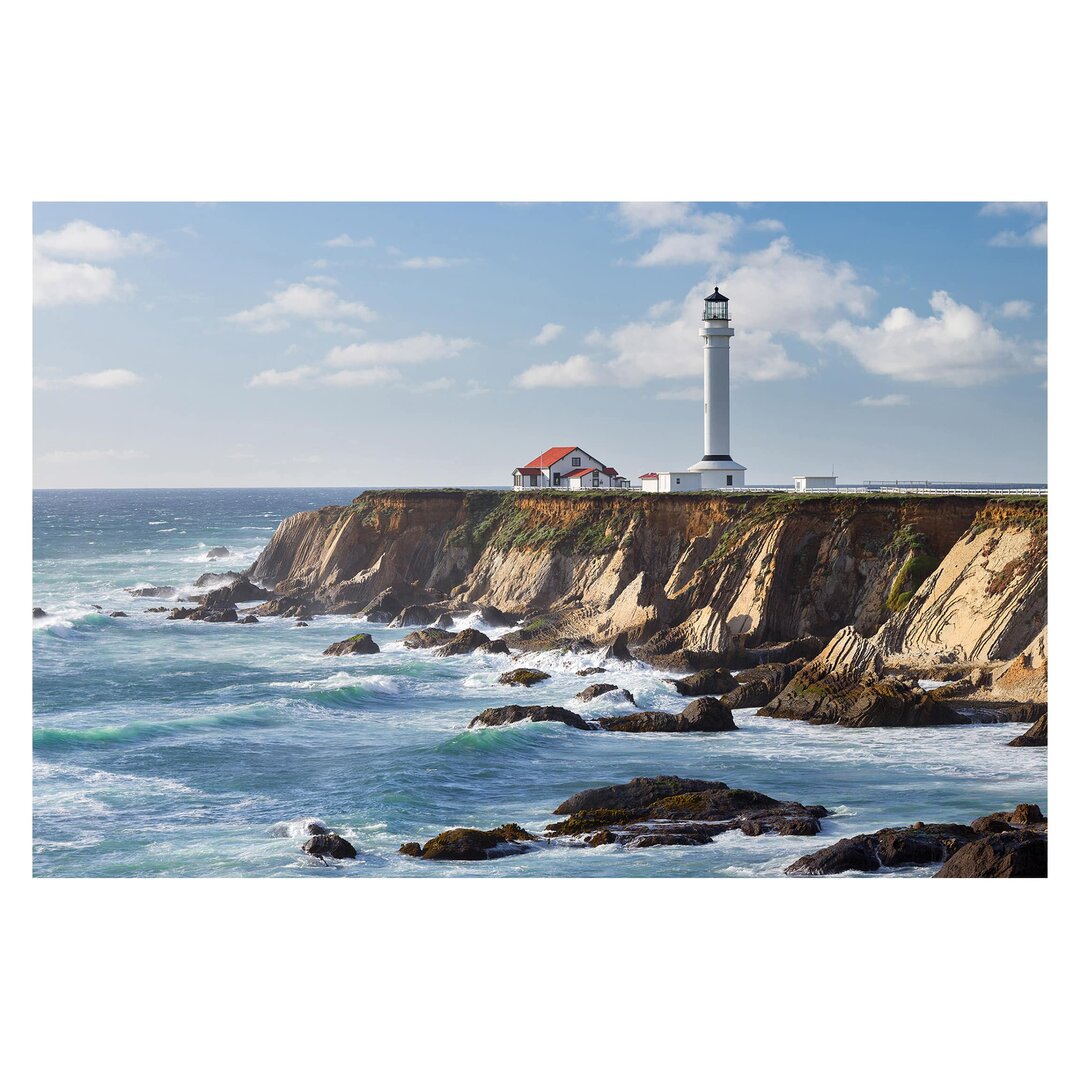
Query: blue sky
[{"x": 375, "y": 344}]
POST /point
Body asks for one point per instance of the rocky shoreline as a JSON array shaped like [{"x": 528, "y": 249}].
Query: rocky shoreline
[{"x": 851, "y": 612}]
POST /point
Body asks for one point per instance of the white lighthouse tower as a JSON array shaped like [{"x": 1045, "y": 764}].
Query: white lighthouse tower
[{"x": 716, "y": 466}]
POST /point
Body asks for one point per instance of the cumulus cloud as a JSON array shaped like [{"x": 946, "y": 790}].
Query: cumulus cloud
[
  {"x": 698, "y": 238},
  {"x": 64, "y": 272},
  {"x": 577, "y": 370},
  {"x": 768, "y": 225},
  {"x": 81, "y": 240},
  {"x": 418, "y": 349},
  {"x": 1015, "y": 309},
  {"x": 885, "y": 402},
  {"x": 290, "y": 377},
  {"x": 344, "y": 240},
  {"x": 429, "y": 262},
  {"x": 435, "y": 386},
  {"x": 316, "y": 304},
  {"x": 371, "y": 376},
  {"x": 1033, "y": 237},
  {"x": 954, "y": 346},
  {"x": 110, "y": 379},
  {"x": 548, "y": 333},
  {"x": 639, "y": 216}
]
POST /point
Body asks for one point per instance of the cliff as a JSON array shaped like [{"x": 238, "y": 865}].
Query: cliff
[{"x": 958, "y": 576}]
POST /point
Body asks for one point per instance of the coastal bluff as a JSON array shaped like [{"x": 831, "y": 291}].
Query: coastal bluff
[{"x": 933, "y": 579}]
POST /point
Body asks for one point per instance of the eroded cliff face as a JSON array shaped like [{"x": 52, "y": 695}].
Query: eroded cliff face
[{"x": 701, "y": 571}]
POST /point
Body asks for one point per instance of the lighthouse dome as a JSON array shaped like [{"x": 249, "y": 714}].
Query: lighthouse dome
[{"x": 716, "y": 305}]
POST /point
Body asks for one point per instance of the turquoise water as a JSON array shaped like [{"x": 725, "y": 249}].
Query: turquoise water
[{"x": 192, "y": 749}]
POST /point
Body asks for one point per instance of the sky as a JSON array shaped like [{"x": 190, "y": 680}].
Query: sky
[{"x": 434, "y": 344}]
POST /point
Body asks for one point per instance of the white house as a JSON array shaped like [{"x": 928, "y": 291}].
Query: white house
[
  {"x": 567, "y": 467},
  {"x": 806, "y": 483},
  {"x": 678, "y": 481}
]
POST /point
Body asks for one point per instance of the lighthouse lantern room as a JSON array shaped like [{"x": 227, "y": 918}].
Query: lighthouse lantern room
[{"x": 717, "y": 468}]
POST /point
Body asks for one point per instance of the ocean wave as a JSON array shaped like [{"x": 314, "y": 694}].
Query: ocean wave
[
  {"x": 297, "y": 828},
  {"x": 345, "y": 688}
]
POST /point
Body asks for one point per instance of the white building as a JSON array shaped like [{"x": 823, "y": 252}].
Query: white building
[
  {"x": 717, "y": 467},
  {"x": 808, "y": 483},
  {"x": 569, "y": 468}
]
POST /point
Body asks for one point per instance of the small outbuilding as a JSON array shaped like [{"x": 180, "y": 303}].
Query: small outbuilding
[{"x": 814, "y": 483}]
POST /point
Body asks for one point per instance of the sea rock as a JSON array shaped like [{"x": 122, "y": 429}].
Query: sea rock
[
  {"x": 535, "y": 714},
  {"x": 300, "y": 622},
  {"x": 605, "y": 688},
  {"x": 757, "y": 686},
  {"x": 496, "y": 647},
  {"x": 688, "y": 660},
  {"x": 1025, "y": 816},
  {"x": 1034, "y": 736},
  {"x": 444, "y": 622},
  {"x": 427, "y": 639},
  {"x": 357, "y": 645},
  {"x": 466, "y": 641},
  {"x": 118, "y": 615},
  {"x": 413, "y": 615},
  {"x": 40, "y": 613},
  {"x": 218, "y": 553},
  {"x": 247, "y": 619},
  {"x": 214, "y": 615},
  {"x": 240, "y": 591},
  {"x": 214, "y": 579},
  {"x": 1012, "y": 854},
  {"x": 330, "y": 846},
  {"x": 591, "y": 671},
  {"x": 703, "y": 715},
  {"x": 668, "y": 809},
  {"x": 290, "y": 607},
  {"x": 492, "y": 616},
  {"x": 523, "y": 677},
  {"x": 472, "y": 845},
  {"x": 154, "y": 592},
  {"x": 919, "y": 845},
  {"x": 385, "y": 607},
  {"x": 710, "y": 681},
  {"x": 844, "y": 685}
]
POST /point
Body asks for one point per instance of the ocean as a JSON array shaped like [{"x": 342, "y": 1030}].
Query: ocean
[{"x": 183, "y": 749}]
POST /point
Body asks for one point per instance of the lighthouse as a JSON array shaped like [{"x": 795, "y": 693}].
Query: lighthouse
[{"x": 716, "y": 467}]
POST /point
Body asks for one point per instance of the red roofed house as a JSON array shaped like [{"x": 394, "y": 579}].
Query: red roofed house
[{"x": 567, "y": 467}]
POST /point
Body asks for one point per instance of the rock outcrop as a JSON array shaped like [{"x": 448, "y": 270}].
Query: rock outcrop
[
  {"x": 651, "y": 811},
  {"x": 710, "y": 681},
  {"x": 523, "y": 677},
  {"x": 535, "y": 714},
  {"x": 1007, "y": 844},
  {"x": 845, "y": 685},
  {"x": 701, "y": 715},
  {"x": 472, "y": 845},
  {"x": 608, "y": 690},
  {"x": 357, "y": 645},
  {"x": 466, "y": 641},
  {"x": 328, "y": 845},
  {"x": 1034, "y": 736}
]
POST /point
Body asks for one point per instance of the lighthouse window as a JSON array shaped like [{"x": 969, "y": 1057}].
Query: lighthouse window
[{"x": 730, "y": 480}]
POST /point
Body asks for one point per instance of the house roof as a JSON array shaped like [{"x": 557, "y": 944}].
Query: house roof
[
  {"x": 609, "y": 471},
  {"x": 527, "y": 471},
  {"x": 549, "y": 457},
  {"x": 649, "y": 476},
  {"x": 580, "y": 472},
  {"x": 716, "y": 294}
]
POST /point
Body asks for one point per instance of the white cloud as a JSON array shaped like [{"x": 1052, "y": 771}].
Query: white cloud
[
  {"x": 1000, "y": 209},
  {"x": 954, "y": 346},
  {"x": 91, "y": 455},
  {"x": 1015, "y": 309},
  {"x": 372, "y": 376},
  {"x": 321, "y": 279},
  {"x": 639, "y": 216},
  {"x": 81, "y": 240},
  {"x": 290, "y": 377},
  {"x": 63, "y": 274},
  {"x": 700, "y": 238},
  {"x": 57, "y": 283},
  {"x": 344, "y": 240},
  {"x": 1033, "y": 237},
  {"x": 110, "y": 379},
  {"x": 885, "y": 402},
  {"x": 435, "y": 386},
  {"x": 575, "y": 371},
  {"x": 319, "y": 305},
  {"x": 768, "y": 225},
  {"x": 429, "y": 262},
  {"x": 419, "y": 349},
  {"x": 548, "y": 333}
]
